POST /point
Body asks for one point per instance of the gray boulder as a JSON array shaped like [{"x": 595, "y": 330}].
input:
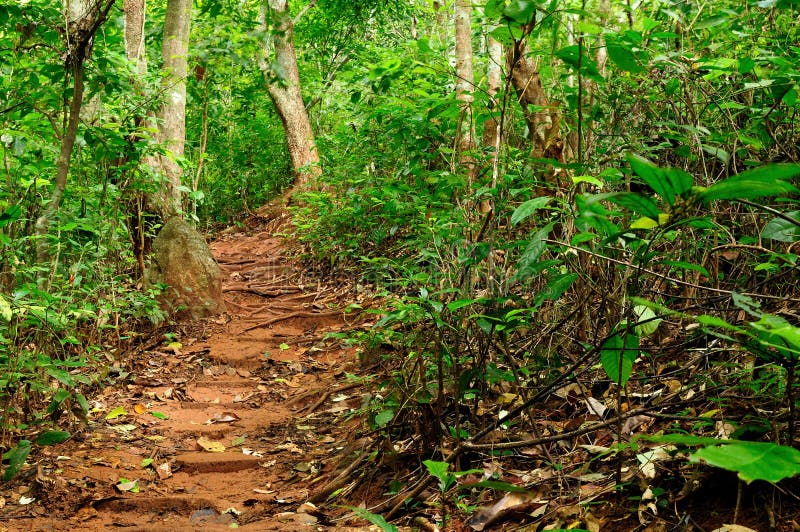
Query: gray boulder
[{"x": 183, "y": 261}]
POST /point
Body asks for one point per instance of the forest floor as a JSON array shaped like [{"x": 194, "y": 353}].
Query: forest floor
[
  {"x": 225, "y": 424},
  {"x": 238, "y": 422}
]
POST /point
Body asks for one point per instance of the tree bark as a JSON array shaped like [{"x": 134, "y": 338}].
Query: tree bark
[
  {"x": 542, "y": 117},
  {"x": 172, "y": 116},
  {"x": 465, "y": 82},
  {"x": 283, "y": 83},
  {"x": 83, "y": 20},
  {"x": 134, "y": 34}
]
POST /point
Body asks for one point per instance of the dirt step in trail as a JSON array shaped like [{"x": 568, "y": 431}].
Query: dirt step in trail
[{"x": 231, "y": 428}]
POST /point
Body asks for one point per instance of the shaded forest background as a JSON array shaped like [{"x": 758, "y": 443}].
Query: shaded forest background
[{"x": 595, "y": 199}]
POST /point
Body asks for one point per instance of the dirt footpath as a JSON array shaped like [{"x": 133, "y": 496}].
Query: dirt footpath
[{"x": 234, "y": 423}]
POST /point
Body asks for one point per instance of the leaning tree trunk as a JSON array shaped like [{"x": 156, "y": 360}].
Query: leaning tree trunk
[
  {"x": 283, "y": 83},
  {"x": 83, "y": 20}
]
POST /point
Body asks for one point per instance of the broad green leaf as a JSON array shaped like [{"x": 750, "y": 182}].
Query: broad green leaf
[
  {"x": 619, "y": 352},
  {"x": 555, "y": 288},
  {"x": 10, "y": 215},
  {"x": 51, "y": 437},
  {"x": 16, "y": 457},
  {"x": 644, "y": 223},
  {"x": 779, "y": 229},
  {"x": 383, "y": 418},
  {"x": 375, "y": 519},
  {"x": 146, "y": 462},
  {"x": 777, "y": 333},
  {"x": 666, "y": 182},
  {"x": 758, "y": 182},
  {"x": 437, "y": 469},
  {"x": 752, "y": 460},
  {"x": 623, "y": 57},
  {"x": 159, "y": 415},
  {"x": 460, "y": 303},
  {"x": 587, "y": 179},
  {"x": 528, "y": 208},
  {"x": 636, "y": 203},
  {"x": 646, "y": 321},
  {"x": 530, "y": 257}
]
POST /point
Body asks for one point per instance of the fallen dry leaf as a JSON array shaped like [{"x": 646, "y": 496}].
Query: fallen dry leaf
[
  {"x": 164, "y": 471},
  {"x": 511, "y": 502},
  {"x": 210, "y": 445},
  {"x": 225, "y": 417}
]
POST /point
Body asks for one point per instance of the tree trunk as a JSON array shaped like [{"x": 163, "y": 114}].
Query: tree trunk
[
  {"x": 172, "y": 116},
  {"x": 544, "y": 120},
  {"x": 465, "y": 140},
  {"x": 134, "y": 34},
  {"x": 283, "y": 82},
  {"x": 83, "y": 20}
]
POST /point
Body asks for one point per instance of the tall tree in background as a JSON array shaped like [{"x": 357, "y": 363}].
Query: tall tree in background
[
  {"x": 464, "y": 84},
  {"x": 83, "y": 19},
  {"x": 172, "y": 115},
  {"x": 279, "y": 65}
]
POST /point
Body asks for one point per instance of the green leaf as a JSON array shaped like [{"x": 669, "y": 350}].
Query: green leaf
[
  {"x": 644, "y": 223},
  {"x": 779, "y": 229},
  {"x": 529, "y": 207},
  {"x": 758, "y": 182},
  {"x": 375, "y": 519},
  {"x": 10, "y": 215},
  {"x": 666, "y": 182},
  {"x": 621, "y": 350},
  {"x": 636, "y": 203},
  {"x": 384, "y": 418},
  {"x": 623, "y": 57},
  {"x": 146, "y": 462},
  {"x": 530, "y": 257},
  {"x": 16, "y": 457},
  {"x": 5, "y": 308},
  {"x": 159, "y": 415},
  {"x": 51, "y": 437},
  {"x": 460, "y": 303},
  {"x": 587, "y": 179},
  {"x": 498, "y": 485},
  {"x": 437, "y": 469},
  {"x": 646, "y": 321},
  {"x": 752, "y": 460},
  {"x": 117, "y": 412}
]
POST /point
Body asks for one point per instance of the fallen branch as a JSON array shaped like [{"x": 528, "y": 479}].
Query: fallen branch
[{"x": 341, "y": 479}]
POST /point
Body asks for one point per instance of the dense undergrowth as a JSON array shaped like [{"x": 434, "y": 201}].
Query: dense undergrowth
[{"x": 647, "y": 267}]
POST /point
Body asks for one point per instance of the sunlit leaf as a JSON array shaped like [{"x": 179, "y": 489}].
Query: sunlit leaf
[{"x": 117, "y": 412}]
